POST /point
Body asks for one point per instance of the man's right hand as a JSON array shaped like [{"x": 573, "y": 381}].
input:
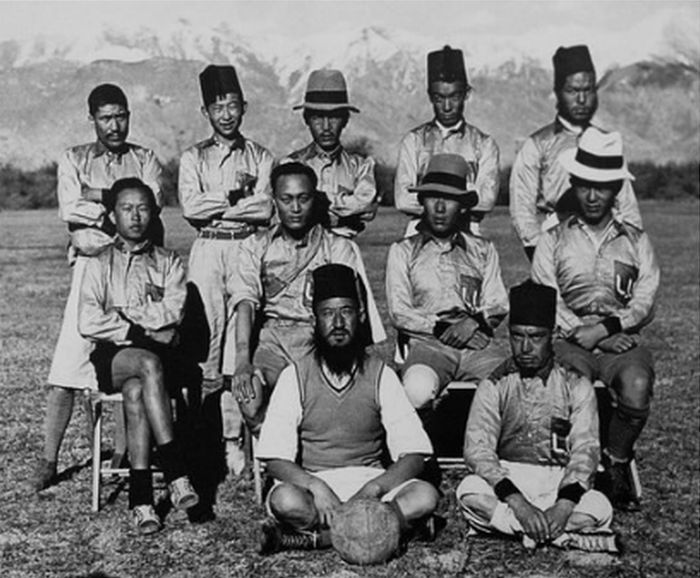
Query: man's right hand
[
  {"x": 532, "y": 519},
  {"x": 459, "y": 333},
  {"x": 242, "y": 385},
  {"x": 325, "y": 500}
]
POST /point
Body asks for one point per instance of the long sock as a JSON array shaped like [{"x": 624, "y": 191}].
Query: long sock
[
  {"x": 140, "y": 488},
  {"x": 172, "y": 461},
  {"x": 626, "y": 424},
  {"x": 59, "y": 408}
]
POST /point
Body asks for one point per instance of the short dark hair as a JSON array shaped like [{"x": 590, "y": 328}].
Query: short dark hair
[
  {"x": 343, "y": 113},
  {"x": 106, "y": 94},
  {"x": 615, "y": 185},
  {"x": 111, "y": 196},
  {"x": 293, "y": 168}
]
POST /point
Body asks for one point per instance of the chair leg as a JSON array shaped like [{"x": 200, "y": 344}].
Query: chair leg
[
  {"x": 96, "y": 455},
  {"x": 257, "y": 474},
  {"x": 119, "y": 436}
]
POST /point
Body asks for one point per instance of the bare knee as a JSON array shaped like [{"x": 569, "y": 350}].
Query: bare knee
[
  {"x": 421, "y": 384},
  {"x": 132, "y": 393},
  {"x": 635, "y": 389},
  {"x": 150, "y": 367},
  {"x": 293, "y": 505}
]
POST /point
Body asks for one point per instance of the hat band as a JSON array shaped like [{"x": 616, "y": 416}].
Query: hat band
[
  {"x": 445, "y": 179},
  {"x": 598, "y": 162},
  {"x": 326, "y": 97}
]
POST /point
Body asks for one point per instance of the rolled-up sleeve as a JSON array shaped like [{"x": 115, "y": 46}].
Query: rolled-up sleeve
[
  {"x": 246, "y": 285},
  {"x": 494, "y": 294},
  {"x": 488, "y": 178},
  {"x": 407, "y": 176},
  {"x": 524, "y": 188},
  {"x": 640, "y": 310},
  {"x": 482, "y": 434},
  {"x": 399, "y": 296},
  {"x": 279, "y": 436},
  {"x": 94, "y": 322},
  {"x": 72, "y": 207},
  {"x": 583, "y": 437},
  {"x": 404, "y": 431}
]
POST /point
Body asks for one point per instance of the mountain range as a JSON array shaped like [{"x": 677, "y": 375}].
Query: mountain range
[{"x": 44, "y": 82}]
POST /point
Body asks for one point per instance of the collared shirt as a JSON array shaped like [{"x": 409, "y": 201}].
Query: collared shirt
[
  {"x": 614, "y": 274},
  {"x": 538, "y": 180},
  {"x": 513, "y": 418},
  {"x": 211, "y": 169},
  {"x": 145, "y": 286},
  {"x": 426, "y": 276},
  {"x": 418, "y": 146},
  {"x": 346, "y": 178},
  {"x": 279, "y": 435},
  {"x": 93, "y": 166}
]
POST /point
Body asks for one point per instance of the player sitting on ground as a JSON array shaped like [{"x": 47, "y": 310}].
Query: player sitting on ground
[
  {"x": 331, "y": 418},
  {"x": 532, "y": 440},
  {"x": 131, "y": 300}
]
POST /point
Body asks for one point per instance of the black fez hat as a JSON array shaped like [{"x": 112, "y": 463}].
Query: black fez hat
[
  {"x": 106, "y": 94},
  {"x": 570, "y": 60},
  {"x": 533, "y": 304},
  {"x": 216, "y": 81},
  {"x": 446, "y": 65},
  {"x": 335, "y": 280}
]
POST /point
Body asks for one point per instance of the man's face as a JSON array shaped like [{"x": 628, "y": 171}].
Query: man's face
[
  {"x": 442, "y": 213},
  {"x": 111, "y": 123},
  {"x": 337, "y": 320},
  {"x": 132, "y": 215},
  {"x": 448, "y": 100},
  {"x": 531, "y": 346},
  {"x": 226, "y": 115},
  {"x": 577, "y": 100},
  {"x": 294, "y": 199},
  {"x": 326, "y": 128},
  {"x": 595, "y": 201}
]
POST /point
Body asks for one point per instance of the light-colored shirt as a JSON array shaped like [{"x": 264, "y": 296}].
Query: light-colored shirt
[
  {"x": 93, "y": 166},
  {"x": 612, "y": 275},
  {"x": 511, "y": 419},
  {"x": 426, "y": 276},
  {"x": 145, "y": 286},
  {"x": 279, "y": 435},
  {"x": 538, "y": 180},
  {"x": 346, "y": 178},
  {"x": 211, "y": 169},
  {"x": 419, "y": 145}
]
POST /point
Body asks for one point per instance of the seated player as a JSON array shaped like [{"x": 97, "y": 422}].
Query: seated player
[
  {"x": 606, "y": 275},
  {"x": 274, "y": 277},
  {"x": 131, "y": 300},
  {"x": 333, "y": 415},
  {"x": 347, "y": 178},
  {"x": 444, "y": 289},
  {"x": 532, "y": 439}
]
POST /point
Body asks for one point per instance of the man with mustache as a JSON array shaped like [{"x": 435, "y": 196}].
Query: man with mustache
[
  {"x": 448, "y": 132},
  {"x": 606, "y": 275},
  {"x": 532, "y": 440},
  {"x": 224, "y": 191},
  {"x": 346, "y": 178},
  {"x": 538, "y": 182},
  {"x": 85, "y": 174},
  {"x": 335, "y": 412}
]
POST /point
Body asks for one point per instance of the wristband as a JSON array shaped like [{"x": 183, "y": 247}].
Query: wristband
[
  {"x": 572, "y": 492},
  {"x": 612, "y": 325},
  {"x": 505, "y": 488}
]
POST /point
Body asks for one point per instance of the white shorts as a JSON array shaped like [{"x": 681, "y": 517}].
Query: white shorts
[{"x": 71, "y": 366}]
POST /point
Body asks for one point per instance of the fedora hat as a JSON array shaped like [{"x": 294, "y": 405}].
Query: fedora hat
[
  {"x": 598, "y": 157},
  {"x": 326, "y": 90},
  {"x": 447, "y": 175}
]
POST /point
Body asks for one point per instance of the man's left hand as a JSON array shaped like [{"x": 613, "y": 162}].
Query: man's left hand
[
  {"x": 588, "y": 336},
  {"x": 618, "y": 343},
  {"x": 557, "y": 517},
  {"x": 479, "y": 340},
  {"x": 458, "y": 334}
]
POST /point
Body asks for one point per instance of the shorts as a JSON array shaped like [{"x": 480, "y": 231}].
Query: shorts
[
  {"x": 280, "y": 344},
  {"x": 451, "y": 364}
]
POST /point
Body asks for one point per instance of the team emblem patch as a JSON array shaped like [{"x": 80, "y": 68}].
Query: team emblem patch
[
  {"x": 470, "y": 291},
  {"x": 154, "y": 293},
  {"x": 625, "y": 277}
]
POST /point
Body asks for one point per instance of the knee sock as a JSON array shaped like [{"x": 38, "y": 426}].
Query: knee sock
[
  {"x": 172, "y": 461},
  {"x": 626, "y": 424},
  {"x": 140, "y": 488},
  {"x": 59, "y": 407}
]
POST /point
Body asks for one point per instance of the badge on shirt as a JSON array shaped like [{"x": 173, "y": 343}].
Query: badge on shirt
[
  {"x": 560, "y": 429},
  {"x": 154, "y": 293},
  {"x": 625, "y": 276},
  {"x": 308, "y": 289},
  {"x": 470, "y": 292}
]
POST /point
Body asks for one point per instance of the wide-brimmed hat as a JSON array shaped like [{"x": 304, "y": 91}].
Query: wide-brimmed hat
[
  {"x": 326, "y": 90},
  {"x": 598, "y": 157},
  {"x": 447, "y": 174}
]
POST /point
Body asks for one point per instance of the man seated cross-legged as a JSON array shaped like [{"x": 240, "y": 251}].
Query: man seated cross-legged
[
  {"x": 132, "y": 299},
  {"x": 532, "y": 441},
  {"x": 333, "y": 416}
]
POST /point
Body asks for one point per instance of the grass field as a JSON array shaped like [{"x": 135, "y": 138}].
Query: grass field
[{"x": 55, "y": 534}]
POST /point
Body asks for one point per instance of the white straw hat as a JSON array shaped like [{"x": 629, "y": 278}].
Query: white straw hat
[{"x": 598, "y": 157}]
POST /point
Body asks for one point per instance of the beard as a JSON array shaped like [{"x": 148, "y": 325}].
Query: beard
[{"x": 340, "y": 359}]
